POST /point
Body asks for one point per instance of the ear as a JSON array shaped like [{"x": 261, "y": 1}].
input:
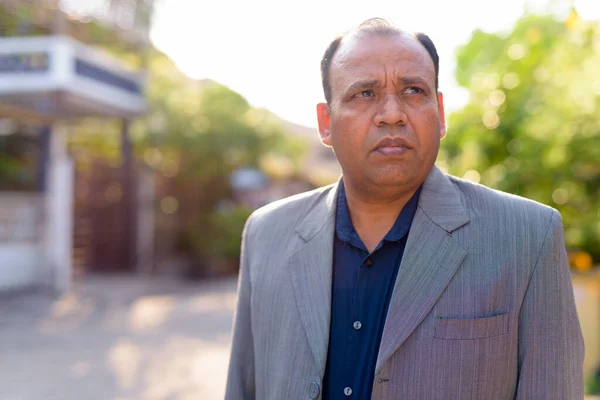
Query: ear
[
  {"x": 441, "y": 114},
  {"x": 324, "y": 119}
]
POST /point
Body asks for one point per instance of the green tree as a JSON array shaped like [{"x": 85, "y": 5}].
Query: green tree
[
  {"x": 196, "y": 134},
  {"x": 532, "y": 125}
]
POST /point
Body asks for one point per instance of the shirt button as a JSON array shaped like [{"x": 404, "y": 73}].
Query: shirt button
[
  {"x": 315, "y": 390},
  {"x": 369, "y": 262},
  {"x": 357, "y": 325},
  {"x": 348, "y": 391}
]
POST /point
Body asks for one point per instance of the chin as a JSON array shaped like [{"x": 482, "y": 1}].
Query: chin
[
  {"x": 393, "y": 180},
  {"x": 398, "y": 177}
]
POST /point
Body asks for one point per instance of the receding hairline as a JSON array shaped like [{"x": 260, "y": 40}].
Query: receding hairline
[
  {"x": 357, "y": 34},
  {"x": 374, "y": 27},
  {"x": 391, "y": 31}
]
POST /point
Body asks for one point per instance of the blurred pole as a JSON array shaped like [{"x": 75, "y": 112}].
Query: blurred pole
[
  {"x": 146, "y": 192},
  {"x": 129, "y": 194},
  {"x": 58, "y": 204},
  {"x": 126, "y": 147},
  {"x": 43, "y": 157},
  {"x": 145, "y": 221},
  {"x": 59, "y": 23}
]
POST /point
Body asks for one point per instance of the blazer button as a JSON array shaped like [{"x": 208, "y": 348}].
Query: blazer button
[{"x": 314, "y": 390}]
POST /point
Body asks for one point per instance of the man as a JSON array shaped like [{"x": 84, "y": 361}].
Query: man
[{"x": 399, "y": 281}]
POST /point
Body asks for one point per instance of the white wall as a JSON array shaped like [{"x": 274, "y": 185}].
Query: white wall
[
  {"x": 20, "y": 239},
  {"x": 36, "y": 229},
  {"x": 19, "y": 266}
]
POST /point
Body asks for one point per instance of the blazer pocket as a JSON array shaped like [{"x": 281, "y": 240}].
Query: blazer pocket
[{"x": 465, "y": 329}]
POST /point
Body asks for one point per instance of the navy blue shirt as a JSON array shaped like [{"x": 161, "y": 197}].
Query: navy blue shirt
[{"x": 361, "y": 292}]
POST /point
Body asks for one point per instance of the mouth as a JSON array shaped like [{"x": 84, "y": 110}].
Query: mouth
[
  {"x": 392, "y": 147},
  {"x": 392, "y": 150}
]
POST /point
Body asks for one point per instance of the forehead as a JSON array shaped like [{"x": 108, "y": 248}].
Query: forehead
[{"x": 365, "y": 55}]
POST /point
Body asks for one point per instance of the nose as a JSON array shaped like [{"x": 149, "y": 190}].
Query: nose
[{"x": 390, "y": 111}]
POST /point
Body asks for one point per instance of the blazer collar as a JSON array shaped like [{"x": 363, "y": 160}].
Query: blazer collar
[
  {"x": 320, "y": 213},
  {"x": 439, "y": 200}
]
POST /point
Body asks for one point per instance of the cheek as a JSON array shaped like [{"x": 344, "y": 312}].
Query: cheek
[
  {"x": 346, "y": 144},
  {"x": 349, "y": 134},
  {"x": 427, "y": 126}
]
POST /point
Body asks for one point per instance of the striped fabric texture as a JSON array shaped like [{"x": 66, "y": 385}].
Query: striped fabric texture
[{"x": 482, "y": 308}]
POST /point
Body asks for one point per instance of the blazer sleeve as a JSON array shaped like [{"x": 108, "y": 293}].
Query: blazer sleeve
[
  {"x": 240, "y": 380},
  {"x": 551, "y": 348}
]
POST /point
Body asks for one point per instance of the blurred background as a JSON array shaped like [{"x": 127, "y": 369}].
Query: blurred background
[{"x": 136, "y": 137}]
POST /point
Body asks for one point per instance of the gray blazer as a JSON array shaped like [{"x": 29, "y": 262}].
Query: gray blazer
[{"x": 482, "y": 307}]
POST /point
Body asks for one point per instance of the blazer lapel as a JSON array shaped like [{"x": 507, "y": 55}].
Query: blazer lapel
[
  {"x": 430, "y": 260},
  {"x": 310, "y": 269}
]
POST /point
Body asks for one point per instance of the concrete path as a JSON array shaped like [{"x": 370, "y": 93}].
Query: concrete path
[{"x": 118, "y": 338}]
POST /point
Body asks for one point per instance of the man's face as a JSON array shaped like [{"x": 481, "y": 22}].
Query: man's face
[{"x": 385, "y": 120}]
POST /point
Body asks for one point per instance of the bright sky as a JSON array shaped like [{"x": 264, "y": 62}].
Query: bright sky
[{"x": 269, "y": 50}]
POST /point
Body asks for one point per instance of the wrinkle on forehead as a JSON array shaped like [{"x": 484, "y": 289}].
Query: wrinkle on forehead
[{"x": 355, "y": 61}]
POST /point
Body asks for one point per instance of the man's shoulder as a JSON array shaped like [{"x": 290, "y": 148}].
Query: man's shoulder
[{"x": 483, "y": 199}]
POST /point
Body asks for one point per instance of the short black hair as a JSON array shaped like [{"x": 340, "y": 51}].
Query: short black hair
[{"x": 376, "y": 27}]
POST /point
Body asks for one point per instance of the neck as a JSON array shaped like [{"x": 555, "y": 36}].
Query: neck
[
  {"x": 377, "y": 202},
  {"x": 373, "y": 215}
]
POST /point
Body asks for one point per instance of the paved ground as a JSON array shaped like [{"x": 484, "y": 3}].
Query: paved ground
[
  {"x": 128, "y": 338},
  {"x": 118, "y": 338}
]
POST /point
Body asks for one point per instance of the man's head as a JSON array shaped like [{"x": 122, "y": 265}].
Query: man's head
[
  {"x": 383, "y": 117},
  {"x": 375, "y": 26}
]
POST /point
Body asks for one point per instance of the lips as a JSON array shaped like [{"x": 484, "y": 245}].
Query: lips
[
  {"x": 392, "y": 146},
  {"x": 392, "y": 150}
]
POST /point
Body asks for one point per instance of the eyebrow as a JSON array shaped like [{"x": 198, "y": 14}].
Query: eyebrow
[
  {"x": 369, "y": 84},
  {"x": 358, "y": 85},
  {"x": 412, "y": 80}
]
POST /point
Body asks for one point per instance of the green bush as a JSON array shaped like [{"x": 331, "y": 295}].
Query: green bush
[
  {"x": 592, "y": 384},
  {"x": 226, "y": 237}
]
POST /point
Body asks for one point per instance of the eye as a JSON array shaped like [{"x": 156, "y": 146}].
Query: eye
[
  {"x": 414, "y": 90},
  {"x": 365, "y": 93}
]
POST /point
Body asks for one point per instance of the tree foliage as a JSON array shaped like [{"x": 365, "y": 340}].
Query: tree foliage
[
  {"x": 532, "y": 124},
  {"x": 197, "y": 134}
]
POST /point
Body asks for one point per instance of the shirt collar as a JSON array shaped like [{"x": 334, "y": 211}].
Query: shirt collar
[{"x": 345, "y": 230}]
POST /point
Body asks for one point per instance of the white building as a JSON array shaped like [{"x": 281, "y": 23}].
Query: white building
[{"x": 53, "y": 80}]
